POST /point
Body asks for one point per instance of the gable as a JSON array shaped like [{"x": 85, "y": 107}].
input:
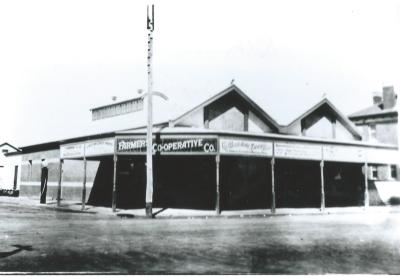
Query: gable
[
  {"x": 256, "y": 125},
  {"x": 324, "y": 121},
  {"x": 231, "y": 109},
  {"x": 195, "y": 119},
  {"x": 7, "y": 148},
  {"x": 321, "y": 129},
  {"x": 325, "y": 128},
  {"x": 231, "y": 119},
  {"x": 342, "y": 133}
]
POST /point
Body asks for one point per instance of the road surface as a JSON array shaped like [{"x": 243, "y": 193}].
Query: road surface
[{"x": 35, "y": 239}]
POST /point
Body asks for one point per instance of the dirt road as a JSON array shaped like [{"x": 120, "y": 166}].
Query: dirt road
[{"x": 37, "y": 239}]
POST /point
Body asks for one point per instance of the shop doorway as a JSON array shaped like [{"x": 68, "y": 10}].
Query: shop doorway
[
  {"x": 131, "y": 182},
  {"x": 297, "y": 183},
  {"x": 344, "y": 184},
  {"x": 130, "y": 185},
  {"x": 185, "y": 182},
  {"x": 245, "y": 183},
  {"x": 101, "y": 192},
  {"x": 179, "y": 182}
]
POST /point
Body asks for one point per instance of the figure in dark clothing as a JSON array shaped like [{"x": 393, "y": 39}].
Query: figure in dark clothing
[{"x": 43, "y": 182}]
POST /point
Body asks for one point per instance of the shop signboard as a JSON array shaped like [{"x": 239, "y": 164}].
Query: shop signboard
[
  {"x": 100, "y": 147},
  {"x": 245, "y": 147},
  {"x": 90, "y": 148},
  {"x": 201, "y": 145},
  {"x": 344, "y": 154},
  {"x": 116, "y": 109},
  {"x": 72, "y": 150},
  {"x": 298, "y": 151}
]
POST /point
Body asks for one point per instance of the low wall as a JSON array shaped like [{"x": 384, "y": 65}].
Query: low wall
[
  {"x": 69, "y": 190},
  {"x": 388, "y": 190}
]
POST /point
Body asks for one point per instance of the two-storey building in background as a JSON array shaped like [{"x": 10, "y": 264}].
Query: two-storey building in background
[{"x": 379, "y": 123}]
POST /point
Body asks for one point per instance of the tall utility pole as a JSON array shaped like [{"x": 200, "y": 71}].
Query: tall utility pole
[{"x": 149, "y": 138}]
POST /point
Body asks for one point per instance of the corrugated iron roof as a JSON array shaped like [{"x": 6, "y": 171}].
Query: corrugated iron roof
[{"x": 372, "y": 111}]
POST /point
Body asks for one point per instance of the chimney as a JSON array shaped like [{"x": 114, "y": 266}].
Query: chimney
[
  {"x": 376, "y": 98},
  {"x": 389, "y": 97}
]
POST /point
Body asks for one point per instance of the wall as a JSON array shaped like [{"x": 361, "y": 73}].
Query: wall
[
  {"x": 231, "y": 119},
  {"x": 387, "y": 133},
  {"x": 386, "y": 129},
  {"x": 72, "y": 176},
  {"x": 388, "y": 190},
  {"x": 342, "y": 133},
  {"x": 294, "y": 129},
  {"x": 7, "y": 172},
  {"x": 256, "y": 125},
  {"x": 196, "y": 119},
  {"x": 321, "y": 129}
]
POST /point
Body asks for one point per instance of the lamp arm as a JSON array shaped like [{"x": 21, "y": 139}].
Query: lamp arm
[{"x": 156, "y": 93}]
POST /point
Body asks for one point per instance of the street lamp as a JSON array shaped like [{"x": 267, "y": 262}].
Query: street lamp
[
  {"x": 149, "y": 150},
  {"x": 149, "y": 136}
]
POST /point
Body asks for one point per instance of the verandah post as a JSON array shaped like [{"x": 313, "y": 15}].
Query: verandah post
[
  {"x": 114, "y": 193},
  {"x": 59, "y": 183},
  {"x": 84, "y": 183},
  {"x": 217, "y": 199},
  {"x": 366, "y": 192},
  {"x": 322, "y": 186},
  {"x": 273, "y": 185},
  {"x": 273, "y": 204}
]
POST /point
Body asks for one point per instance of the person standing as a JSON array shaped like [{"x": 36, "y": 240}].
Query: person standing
[{"x": 43, "y": 182}]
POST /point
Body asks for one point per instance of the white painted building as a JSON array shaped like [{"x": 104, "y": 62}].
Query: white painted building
[{"x": 10, "y": 167}]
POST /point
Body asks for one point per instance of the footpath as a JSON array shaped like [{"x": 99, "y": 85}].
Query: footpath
[{"x": 76, "y": 207}]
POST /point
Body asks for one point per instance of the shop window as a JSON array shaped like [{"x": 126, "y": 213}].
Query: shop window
[
  {"x": 393, "y": 171},
  {"x": 374, "y": 172}
]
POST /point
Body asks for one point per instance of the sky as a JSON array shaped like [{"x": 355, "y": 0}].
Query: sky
[{"x": 59, "y": 58}]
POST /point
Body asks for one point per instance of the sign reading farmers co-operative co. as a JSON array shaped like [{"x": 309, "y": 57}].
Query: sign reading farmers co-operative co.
[{"x": 168, "y": 145}]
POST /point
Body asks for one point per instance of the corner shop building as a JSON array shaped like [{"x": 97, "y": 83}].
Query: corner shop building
[{"x": 226, "y": 153}]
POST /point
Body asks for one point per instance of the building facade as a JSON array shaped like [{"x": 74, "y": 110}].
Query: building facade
[
  {"x": 379, "y": 123},
  {"x": 10, "y": 168},
  {"x": 226, "y": 153}
]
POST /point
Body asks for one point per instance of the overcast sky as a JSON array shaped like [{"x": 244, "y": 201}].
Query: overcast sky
[{"x": 58, "y": 59}]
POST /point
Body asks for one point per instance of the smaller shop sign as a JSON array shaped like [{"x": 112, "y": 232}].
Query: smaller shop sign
[
  {"x": 90, "y": 148},
  {"x": 100, "y": 147},
  {"x": 168, "y": 145},
  {"x": 72, "y": 150},
  {"x": 298, "y": 151},
  {"x": 245, "y": 147},
  {"x": 383, "y": 156},
  {"x": 344, "y": 154}
]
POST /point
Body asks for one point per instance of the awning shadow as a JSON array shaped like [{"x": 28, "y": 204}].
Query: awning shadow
[{"x": 18, "y": 249}]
